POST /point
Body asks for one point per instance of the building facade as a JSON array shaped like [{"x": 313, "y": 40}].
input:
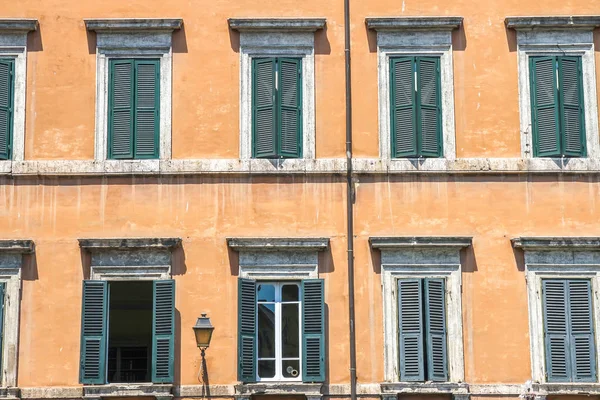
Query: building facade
[{"x": 163, "y": 160}]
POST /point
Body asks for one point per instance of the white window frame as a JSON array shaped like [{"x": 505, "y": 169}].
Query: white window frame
[
  {"x": 415, "y": 36},
  {"x": 552, "y": 258},
  {"x": 138, "y": 39},
  {"x": 422, "y": 257},
  {"x": 278, "y": 345}
]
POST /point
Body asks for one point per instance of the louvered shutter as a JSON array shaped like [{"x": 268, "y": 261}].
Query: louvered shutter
[
  {"x": 93, "y": 332},
  {"x": 246, "y": 330},
  {"x": 571, "y": 106},
  {"x": 558, "y": 368},
  {"x": 6, "y": 107},
  {"x": 544, "y": 107},
  {"x": 121, "y": 99},
  {"x": 410, "y": 322},
  {"x": 163, "y": 331},
  {"x": 313, "y": 330},
  {"x": 2, "y": 308},
  {"x": 264, "y": 144},
  {"x": 429, "y": 123},
  {"x": 146, "y": 108},
  {"x": 403, "y": 108},
  {"x": 583, "y": 352},
  {"x": 435, "y": 330},
  {"x": 290, "y": 107}
]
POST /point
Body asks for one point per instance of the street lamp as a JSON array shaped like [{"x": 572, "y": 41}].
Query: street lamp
[{"x": 203, "y": 331}]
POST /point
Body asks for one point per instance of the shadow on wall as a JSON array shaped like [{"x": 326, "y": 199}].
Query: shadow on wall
[
  {"x": 177, "y": 349},
  {"x": 326, "y": 264},
  {"x": 178, "y": 266},
  {"x": 519, "y": 258},
  {"x": 29, "y": 270},
  {"x": 511, "y": 39},
  {"x": 34, "y": 40},
  {"x": 468, "y": 261}
]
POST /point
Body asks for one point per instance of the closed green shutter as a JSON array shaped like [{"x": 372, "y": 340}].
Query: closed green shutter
[
  {"x": 544, "y": 107},
  {"x": 246, "y": 330},
  {"x": 93, "y": 332},
  {"x": 429, "y": 107},
  {"x": 572, "y": 118},
  {"x": 410, "y": 312},
  {"x": 121, "y": 109},
  {"x": 435, "y": 330},
  {"x": 163, "y": 331},
  {"x": 264, "y": 125},
  {"x": 7, "y": 70},
  {"x": 313, "y": 330},
  {"x": 403, "y": 108},
  {"x": 146, "y": 108},
  {"x": 290, "y": 108},
  {"x": 583, "y": 350},
  {"x": 2, "y": 308}
]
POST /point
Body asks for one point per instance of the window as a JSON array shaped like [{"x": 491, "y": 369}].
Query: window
[
  {"x": 7, "y": 85},
  {"x": 133, "y": 121},
  {"x": 568, "y": 330},
  {"x": 558, "y": 118},
  {"x": 277, "y": 107},
  {"x": 416, "y": 112},
  {"x": 281, "y": 331},
  {"x": 422, "y": 330}
]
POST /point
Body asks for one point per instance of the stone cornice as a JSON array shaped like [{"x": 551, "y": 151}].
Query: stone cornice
[
  {"x": 277, "y": 24},
  {"x": 12, "y": 25},
  {"x": 413, "y": 23},
  {"x": 17, "y": 246},
  {"x": 408, "y": 242},
  {"x": 553, "y": 22},
  {"x": 113, "y": 25},
  {"x": 129, "y": 243},
  {"x": 556, "y": 243},
  {"x": 278, "y": 244}
]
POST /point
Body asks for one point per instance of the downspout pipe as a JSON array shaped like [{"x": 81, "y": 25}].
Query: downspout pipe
[{"x": 350, "y": 202}]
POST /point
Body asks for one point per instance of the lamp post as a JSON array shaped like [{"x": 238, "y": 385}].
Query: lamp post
[{"x": 203, "y": 331}]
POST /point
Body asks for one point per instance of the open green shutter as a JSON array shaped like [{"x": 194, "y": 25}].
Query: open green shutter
[
  {"x": 429, "y": 104},
  {"x": 289, "y": 104},
  {"x": 410, "y": 322},
  {"x": 163, "y": 331},
  {"x": 571, "y": 106},
  {"x": 147, "y": 95},
  {"x": 120, "y": 104},
  {"x": 435, "y": 330},
  {"x": 582, "y": 348},
  {"x": 246, "y": 330},
  {"x": 313, "y": 330},
  {"x": 264, "y": 143},
  {"x": 403, "y": 109},
  {"x": 6, "y": 107},
  {"x": 93, "y": 332},
  {"x": 558, "y": 365},
  {"x": 544, "y": 107}
]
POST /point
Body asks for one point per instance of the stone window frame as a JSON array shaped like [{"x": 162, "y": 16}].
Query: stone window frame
[
  {"x": 278, "y": 259},
  {"x": 415, "y": 36},
  {"x": 13, "y": 45},
  {"x": 277, "y": 37},
  {"x": 557, "y": 257},
  {"x": 133, "y": 38},
  {"x": 129, "y": 259},
  {"x": 550, "y": 36},
  {"x": 422, "y": 257}
]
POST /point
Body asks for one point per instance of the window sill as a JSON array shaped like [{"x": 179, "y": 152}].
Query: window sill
[
  {"x": 159, "y": 391},
  {"x": 9, "y": 393},
  {"x": 591, "y": 388},
  {"x": 424, "y": 387},
  {"x": 276, "y": 388}
]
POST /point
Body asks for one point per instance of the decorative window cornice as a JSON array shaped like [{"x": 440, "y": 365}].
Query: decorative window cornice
[
  {"x": 116, "y": 25},
  {"x": 13, "y": 25},
  {"x": 278, "y": 244},
  {"x": 17, "y": 246},
  {"x": 407, "y": 242},
  {"x": 277, "y": 24},
  {"x": 129, "y": 243},
  {"x": 587, "y": 22},
  {"x": 556, "y": 243},
  {"x": 413, "y": 23}
]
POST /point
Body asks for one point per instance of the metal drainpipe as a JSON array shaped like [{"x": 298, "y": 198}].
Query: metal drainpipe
[{"x": 350, "y": 202}]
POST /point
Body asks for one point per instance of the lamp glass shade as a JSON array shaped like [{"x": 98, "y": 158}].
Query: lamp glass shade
[{"x": 203, "y": 331}]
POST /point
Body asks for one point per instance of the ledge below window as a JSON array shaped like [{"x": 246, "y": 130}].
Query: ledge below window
[
  {"x": 310, "y": 390},
  {"x": 565, "y": 389},
  {"x": 424, "y": 387},
  {"x": 158, "y": 391}
]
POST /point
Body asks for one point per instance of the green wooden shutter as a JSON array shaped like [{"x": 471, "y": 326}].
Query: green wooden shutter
[
  {"x": 572, "y": 119},
  {"x": 410, "y": 322},
  {"x": 121, "y": 99},
  {"x": 313, "y": 330},
  {"x": 429, "y": 105},
  {"x": 147, "y": 95},
  {"x": 289, "y": 104},
  {"x": 2, "y": 308},
  {"x": 403, "y": 120},
  {"x": 264, "y": 143},
  {"x": 163, "y": 331},
  {"x": 93, "y": 332},
  {"x": 435, "y": 330},
  {"x": 583, "y": 352},
  {"x": 558, "y": 368},
  {"x": 7, "y": 68},
  {"x": 246, "y": 330},
  {"x": 544, "y": 107}
]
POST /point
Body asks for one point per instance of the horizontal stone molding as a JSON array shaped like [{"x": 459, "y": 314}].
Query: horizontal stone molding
[
  {"x": 129, "y": 243},
  {"x": 278, "y": 244},
  {"x": 8, "y": 25},
  {"x": 407, "y": 242},
  {"x": 25, "y": 246},
  {"x": 553, "y": 22},
  {"x": 277, "y": 24},
  {"x": 133, "y": 24},
  {"x": 556, "y": 243},
  {"x": 160, "y": 391},
  {"x": 427, "y": 387},
  {"x": 413, "y": 23},
  {"x": 282, "y": 389}
]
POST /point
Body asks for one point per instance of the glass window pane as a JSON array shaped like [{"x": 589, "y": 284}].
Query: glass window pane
[
  {"x": 265, "y": 292},
  {"x": 289, "y": 293},
  {"x": 266, "y": 368},
  {"x": 291, "y": 368},
  {"x": 266, "y": 330},
  {"x": 290, "y": 333}
]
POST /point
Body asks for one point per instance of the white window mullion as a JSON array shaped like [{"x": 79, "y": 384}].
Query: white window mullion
[{"x": 278, "y": 373}]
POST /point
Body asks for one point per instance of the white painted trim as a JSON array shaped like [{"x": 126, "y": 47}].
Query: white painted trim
[
  {"x": 279, "y": 272},
  {"x": 277, "y": 44},
  {"x": 558, "y": 42},
  {"x": 416, "y": 43}
]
